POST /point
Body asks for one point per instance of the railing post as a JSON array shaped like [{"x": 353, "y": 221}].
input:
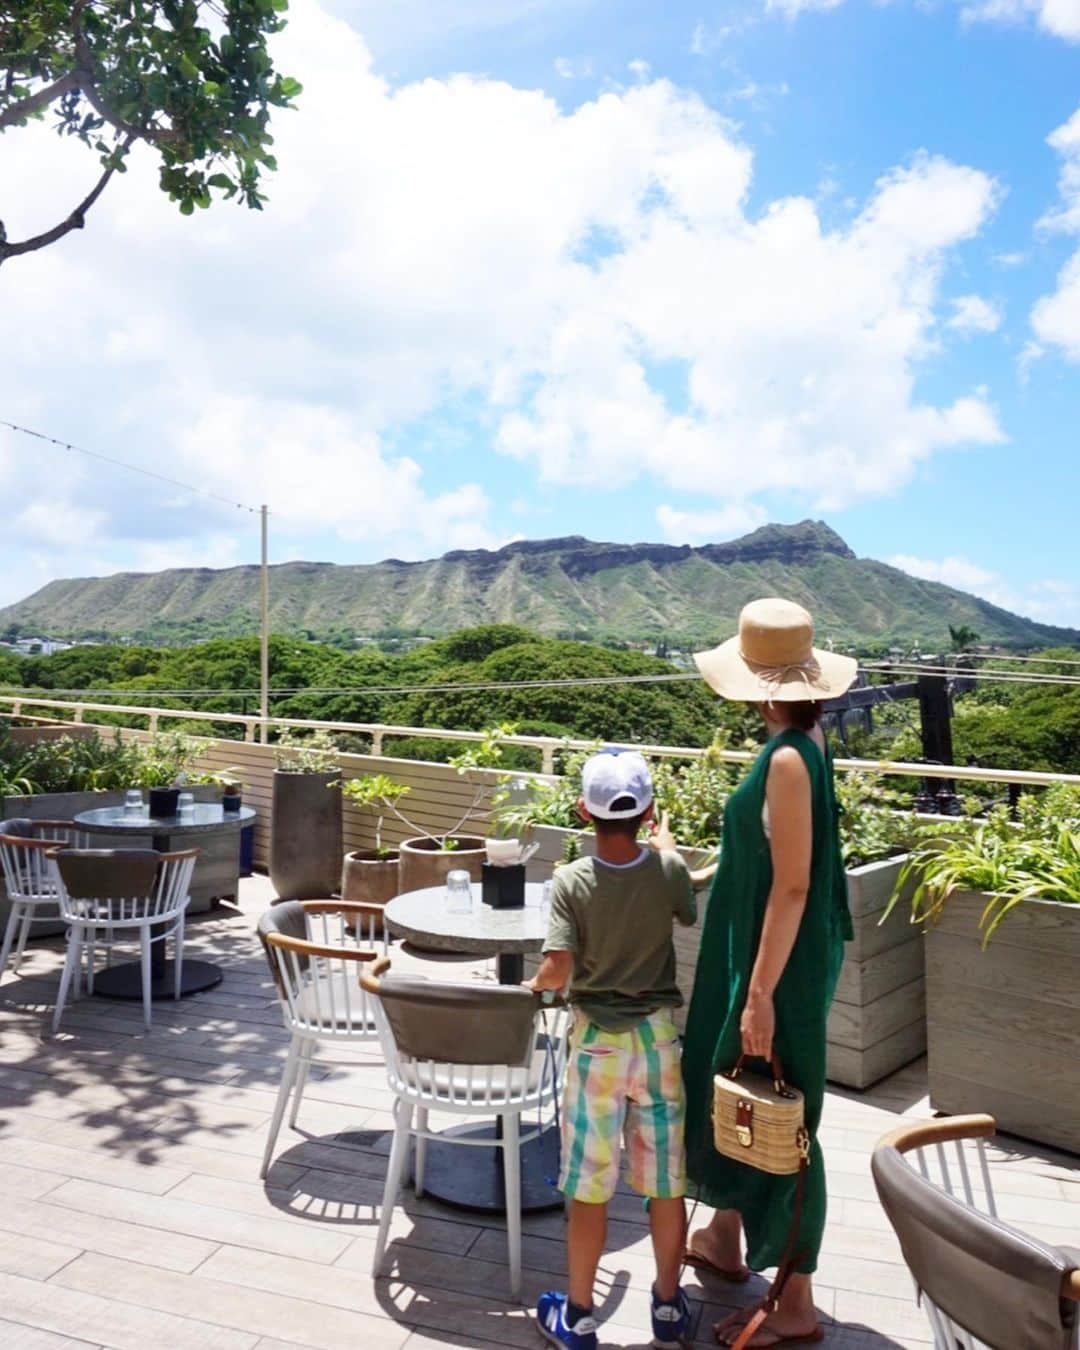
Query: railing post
[
  {"x": 249, "y": 729},
  {"x": 376, "y": 740},
  {"x": 153, "y": 723},
  {"x": 77, "y": 719},
  {"x": 16, "y": 708},
  {"x": 547, "y": 762}
]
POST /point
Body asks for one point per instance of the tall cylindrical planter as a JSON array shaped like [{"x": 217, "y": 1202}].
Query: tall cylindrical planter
[
  {"x": 424, "y": 862},
  {"x": 305, "y": 837}
]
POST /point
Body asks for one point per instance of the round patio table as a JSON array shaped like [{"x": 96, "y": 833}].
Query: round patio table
[
  {"x": 472, "y": 1178},
  {"x": 168, "y": 834}
]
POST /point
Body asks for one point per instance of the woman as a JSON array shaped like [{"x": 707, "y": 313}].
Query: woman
[{"x": 770, "y": 956}]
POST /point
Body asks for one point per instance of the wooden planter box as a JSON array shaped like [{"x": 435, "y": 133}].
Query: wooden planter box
[
  {"x": 1004, "y": 1023},
  {"x": 216, "y": 873},
  {"x": 877, "y": 1022}
]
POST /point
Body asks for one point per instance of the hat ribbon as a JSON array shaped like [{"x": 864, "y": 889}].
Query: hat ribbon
[{"x": 774, "y": 676}]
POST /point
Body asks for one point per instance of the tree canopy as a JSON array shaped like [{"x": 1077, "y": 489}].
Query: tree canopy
[{"x": 192, "y": 79}]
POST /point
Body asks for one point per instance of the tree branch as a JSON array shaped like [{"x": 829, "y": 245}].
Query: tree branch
[
  {"x": 84, "y": 58},
  {"x": 40, "y": 100},
  {"x": 75, "y": 221}
]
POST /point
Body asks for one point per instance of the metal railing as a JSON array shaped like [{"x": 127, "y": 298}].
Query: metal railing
[{"x": 256, "y": 728}]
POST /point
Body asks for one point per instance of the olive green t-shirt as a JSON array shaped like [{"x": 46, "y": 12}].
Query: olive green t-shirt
[{"x": 617, "y": 921}]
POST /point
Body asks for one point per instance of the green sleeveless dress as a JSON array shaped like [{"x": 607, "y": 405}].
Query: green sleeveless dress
[{"x": 729, "y": 945}]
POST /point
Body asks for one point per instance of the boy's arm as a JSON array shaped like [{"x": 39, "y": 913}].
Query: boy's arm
[
  {"x": 555, "y": 971},
  {"x": 684, "y": 904},
  {"x": 562, "y": 941}
]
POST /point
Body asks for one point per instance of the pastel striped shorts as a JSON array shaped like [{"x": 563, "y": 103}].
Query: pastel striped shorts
[{"x": 624, "y": 1087}]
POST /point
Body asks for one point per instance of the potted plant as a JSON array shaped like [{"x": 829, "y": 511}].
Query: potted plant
[
  {"x": 999, "y": 902},
  {"x": 305, "y": 835},
  {"x": 370, "y": 875},
  {"x": 425, "y": 858}
]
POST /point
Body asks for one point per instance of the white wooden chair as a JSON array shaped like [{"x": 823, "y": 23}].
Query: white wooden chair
[
  {"x": 316, "y": 949},
  {"x": 110, "y": 896},
  {"x": 29, "y": 878},
  {"x": 464, "y": 1050},
  {"x": 984, "y": 1284}
]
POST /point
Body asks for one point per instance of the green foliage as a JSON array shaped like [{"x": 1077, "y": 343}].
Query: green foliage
[
  {"x": 380, "y": 791},
  {"x": 1037, "y": 856},
  {"x": 91, "y": 763},
  {"x": 191, "y": 79},
  {"x": 872, "y": 823},
  {"x": 315, "y": 752}
]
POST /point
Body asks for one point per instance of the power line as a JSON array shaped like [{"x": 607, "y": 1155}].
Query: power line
[{"x": 123, "y": 464}]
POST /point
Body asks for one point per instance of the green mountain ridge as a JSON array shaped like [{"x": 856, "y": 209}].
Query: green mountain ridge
[{"x": 560, "y": 587}]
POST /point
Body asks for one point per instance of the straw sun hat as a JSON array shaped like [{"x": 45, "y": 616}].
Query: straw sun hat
[{"x": 773, "y": 659}]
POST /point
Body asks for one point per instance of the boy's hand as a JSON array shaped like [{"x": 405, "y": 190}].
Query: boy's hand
[
  {"x": 758, "y": 1025},
  {"x": 660, "y": 835}
]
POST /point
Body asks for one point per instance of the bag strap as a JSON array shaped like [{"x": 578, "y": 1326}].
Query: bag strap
[
  {"x": 774, "y": 1064},
  {"x": 759, "y": 1312}
]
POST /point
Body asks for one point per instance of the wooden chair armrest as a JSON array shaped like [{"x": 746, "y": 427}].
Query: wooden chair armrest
[
  {"x": 304, "y": 948},
  {"x": 1070, "y": 1286},
  {"x": 370, "y": 976},
  {"x": 42, "y": 845},
  {"x": 341, "y": 907},
  {"x": 180, "y": 855},
  {"x": 921, "y": 1133}
]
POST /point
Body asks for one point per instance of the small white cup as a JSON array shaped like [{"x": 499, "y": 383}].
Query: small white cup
[{"x": 458, "y": 892}]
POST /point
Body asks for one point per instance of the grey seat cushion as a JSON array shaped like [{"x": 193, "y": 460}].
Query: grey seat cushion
[{"x": 108, "y": 873}]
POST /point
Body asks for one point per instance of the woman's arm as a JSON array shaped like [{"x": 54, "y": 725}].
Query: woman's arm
[{"x": 787, "y": 792}]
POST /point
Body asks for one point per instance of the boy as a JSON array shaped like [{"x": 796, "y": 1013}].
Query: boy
[{"x": 610, "y": 941}]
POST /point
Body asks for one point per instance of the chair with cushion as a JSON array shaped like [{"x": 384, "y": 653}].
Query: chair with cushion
[
  {"x": 29, "y": 879},
  {"x": 982, "y": 1282},
  {"x": 108, "y": 896},
  {"x": 466, "y": 1050},
  {"x": 316, "y": 949}
]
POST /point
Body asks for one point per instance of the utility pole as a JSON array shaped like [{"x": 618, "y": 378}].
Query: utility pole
[{"x": 264, "y": 654}]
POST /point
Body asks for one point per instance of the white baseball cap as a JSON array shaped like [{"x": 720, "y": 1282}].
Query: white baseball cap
[{"x": 615, "y": 773}]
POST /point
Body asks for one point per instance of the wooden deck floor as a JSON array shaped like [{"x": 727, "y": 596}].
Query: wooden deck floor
[{"x": 133, "y": 1215}]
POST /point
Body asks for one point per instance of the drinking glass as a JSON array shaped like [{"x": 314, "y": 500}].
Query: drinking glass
[
  {"x": 133, "y": 803},
  {"x": 186, "y": 804},
  {"x": 545, "y": 899},
  {"x": 458, "y": 892}
]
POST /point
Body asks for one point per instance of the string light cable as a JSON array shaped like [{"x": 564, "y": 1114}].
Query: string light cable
[{"x": 123, "y": 464}]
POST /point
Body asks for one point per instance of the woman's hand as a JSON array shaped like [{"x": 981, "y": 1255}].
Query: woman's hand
[
  {"x": 660, "y": 836},
  {"x": 758, "y": 1025}
]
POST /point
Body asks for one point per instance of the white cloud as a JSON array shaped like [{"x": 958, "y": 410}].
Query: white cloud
[
  {"x": 709, "y": 527},
  {"x": 1060, "y": 18},
  {"x": 568, "y": 69},
  {"x": 435, "y": 247},
  {"x": 1050, "y": 600},
  {"x": 973, "y": 314},
  {"x": 1056, "y": 317}
]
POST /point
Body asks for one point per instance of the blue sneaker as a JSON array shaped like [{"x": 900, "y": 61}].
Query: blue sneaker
[
  {"x": 551, "y": 1319},
  {"x": 670, "y": 1321}
]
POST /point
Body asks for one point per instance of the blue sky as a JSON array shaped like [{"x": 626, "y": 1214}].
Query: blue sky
[{"x": 628, "y": 270}]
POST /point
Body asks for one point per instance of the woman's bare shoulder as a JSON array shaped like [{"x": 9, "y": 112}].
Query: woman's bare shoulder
[{"x": 787, "y": 766}]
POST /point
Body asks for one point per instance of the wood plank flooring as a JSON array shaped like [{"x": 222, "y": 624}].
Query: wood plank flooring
[{"x": 133, "y": 1214}]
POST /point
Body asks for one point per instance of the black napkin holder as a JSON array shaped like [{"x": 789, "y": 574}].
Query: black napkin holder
[{"x": 503, "y": 887}]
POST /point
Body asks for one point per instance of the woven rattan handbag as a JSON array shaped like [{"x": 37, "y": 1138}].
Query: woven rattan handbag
[
  {"x": 762, "y": 1122},
  {"x": 759, "y": 1121}
]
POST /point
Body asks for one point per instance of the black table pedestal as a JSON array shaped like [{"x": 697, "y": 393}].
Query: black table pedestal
[
  {"x": 471, "y": 1177},
  {"x": 125, "y": 981}
]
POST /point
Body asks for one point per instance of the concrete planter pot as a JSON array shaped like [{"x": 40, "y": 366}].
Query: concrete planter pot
[
  {"x": 305, "y": 838},
  {"x": 877, "y": 1022},
  {"x": 370, "y": 878},
  {"x": 424, "y": 862},
  {"x": 1004, "y": 1023}
]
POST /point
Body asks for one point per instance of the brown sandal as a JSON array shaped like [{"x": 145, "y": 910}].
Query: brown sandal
[{"x": 739, "y": 1329}]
